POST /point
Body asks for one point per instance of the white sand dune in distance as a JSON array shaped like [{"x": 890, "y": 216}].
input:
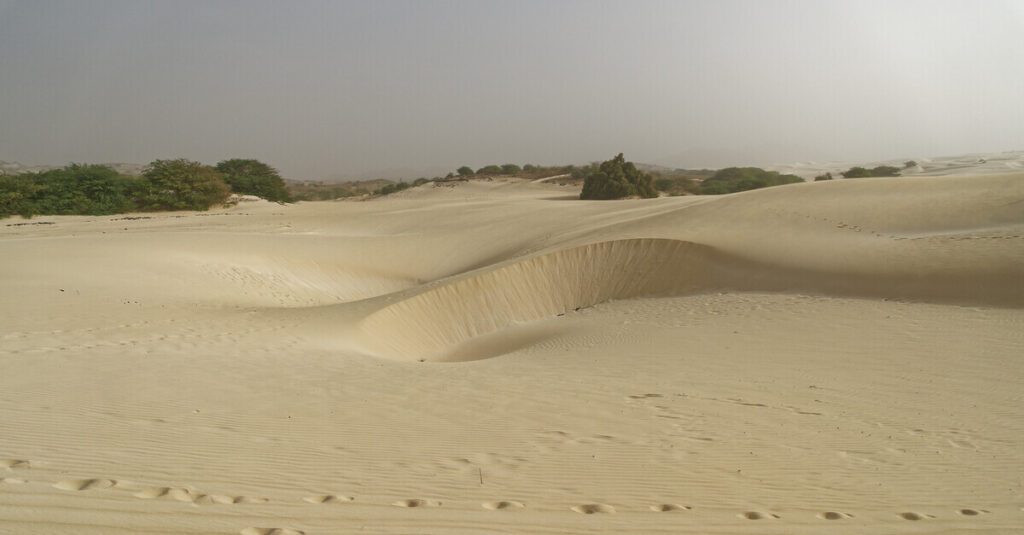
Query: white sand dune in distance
[{"x": 494, "y": 356}]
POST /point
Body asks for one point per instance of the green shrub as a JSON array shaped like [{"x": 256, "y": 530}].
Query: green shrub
[
  {"x": 181, "y": 185},
  {"x": 826, "y": 176},
  {"x": 857, "y": 172},
  {"x": 489, "y": 170},
  {"x": 465, "y": 170},
  {"x": 615, "y": 179},
  {"x": 84, "y": 190},
  {"x": 909, "y": 163},
  {"x": 253, "y": 177},
  {"x": 510, "y": 169},
  {"x": 881, "y": 170},
  {"x": 17, "y": 194},
  {"x": 885, "y": 170},
  {"x": 734, "y": 179}
]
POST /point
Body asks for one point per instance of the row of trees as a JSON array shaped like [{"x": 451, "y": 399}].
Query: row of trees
[
  {"x": 617, "y": 178},
  {"x": 82, "y": 189}
]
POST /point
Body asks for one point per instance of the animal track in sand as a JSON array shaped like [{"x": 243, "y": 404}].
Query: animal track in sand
[
  {"x": 592, "y": 508},
  {"x": 417, "y": 503},
  {"x": 756, "y": 515},
  {"x": 500, "y": 505},
  {"x": 667, "y": 507},
  {"x": 971, "y": 512},
  {"x": 85, "y": 484},
  {"x": 644, "y": 396},
  {"x": 914, "y": 516},
  {"x": 272, "y": 531},
  {"x": 11, "y": 464},
  {"x": 833, "y": 515},
  {"x": 328, "y": 498}
]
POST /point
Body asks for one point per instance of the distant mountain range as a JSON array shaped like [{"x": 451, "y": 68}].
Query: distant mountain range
[{"x": 14, "y": 168}]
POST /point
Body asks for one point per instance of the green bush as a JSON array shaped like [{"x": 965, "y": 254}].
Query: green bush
[
  {"x": 465, "y": 170},
  {"x": 885, "y": 170},
  {"x": 17, "y": 195},
  {"x": 615, "y": 179},
  {"x": 181, "y": 185},
  {"x": 83, "y": 189},
  {"x": 489, "y": 170},
  {"x": 857, "y": 172},
  {"x": 735, "y": 179},
  {"x": 909, "y": 163},
  {"x": 253, "y": 177},
  {"x": 826, "y": 176},
  {"x": 510, "y": 169},
  {"x": 881, "y": 170},
  {"x": 73, "y": 190}
]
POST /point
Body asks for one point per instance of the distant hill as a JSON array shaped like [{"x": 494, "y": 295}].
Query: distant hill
[{"x": 14, "y": 168}]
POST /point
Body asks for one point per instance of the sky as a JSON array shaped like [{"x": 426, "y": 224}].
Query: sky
[{"x": 326, "y": 90}]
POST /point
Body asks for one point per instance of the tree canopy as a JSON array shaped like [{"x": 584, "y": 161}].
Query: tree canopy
[
  {"x": 253, "y": 177},
  {"x": 616, "y": 179},
  {"x": 181, "y": 185}
]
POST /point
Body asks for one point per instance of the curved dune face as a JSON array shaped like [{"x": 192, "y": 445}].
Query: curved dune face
[{"x": 426, "y": 325}]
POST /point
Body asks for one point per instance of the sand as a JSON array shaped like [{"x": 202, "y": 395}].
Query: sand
[{"x": 496, "y": 357}]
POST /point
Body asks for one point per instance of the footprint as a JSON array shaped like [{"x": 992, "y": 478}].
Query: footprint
[
  {"x": 210, "y": 499},
  {"x": 971, "y": 512},
  {"x": 911, "y": 516},
  {"x": 153, "y": 493},
  {"x": 755, "y": 515},
  {"x": 85, "y": 484},
  {"x": 328, "y": 498},
  {"x": 183, "y": 494},
  {"x": 591, "y": 508},
  {"x": 272, "y": 531},
  {"x": 644, "y": 396},
  {"x": 832, "y": 515},
  {"x": 417, "y": 503},
  {"x": 666, "y": 507},
  {"x": 497, "y": 506},
  {"x": 250, "y": 499},
  {"x": 11, "y": 464}
]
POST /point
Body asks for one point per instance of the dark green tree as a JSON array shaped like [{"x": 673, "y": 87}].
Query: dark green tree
[
  {"x": 857, "y": 172},
  {"x": 489, "y": 170},
  {"x": 735, "y": 179},
  {"x": 465, "y": 170},
  {"x": 83, "y": 189},
  {"x": 17, "y": 194},
  {"x": 885, "y": 170},
  {"x": 253, "y": 177},
  {"x": 181, "y": 185},
  {"x": 615, "y": 179},
  {"x": 510, "y": 169}
]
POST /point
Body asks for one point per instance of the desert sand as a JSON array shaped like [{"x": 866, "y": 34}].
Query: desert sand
[{"x": 497, "y": 357}]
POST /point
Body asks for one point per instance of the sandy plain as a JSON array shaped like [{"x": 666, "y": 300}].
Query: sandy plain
[{"x": 496, "y": 357}]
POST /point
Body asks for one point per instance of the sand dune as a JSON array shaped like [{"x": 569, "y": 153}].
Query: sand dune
[{"x": 495, "y": 357}]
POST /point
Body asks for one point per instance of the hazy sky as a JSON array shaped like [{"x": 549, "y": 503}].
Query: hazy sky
[{"x": 322, "y": 89}]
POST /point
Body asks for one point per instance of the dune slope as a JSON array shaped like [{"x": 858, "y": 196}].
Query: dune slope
[{"x": 495, "y": 357}]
